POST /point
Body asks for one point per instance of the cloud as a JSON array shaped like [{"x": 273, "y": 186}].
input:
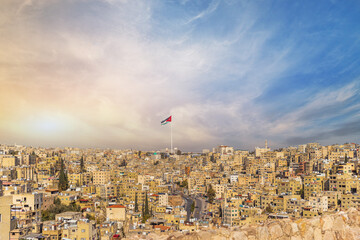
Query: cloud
[
  {"x": 107, "y": 72},
  {"x": 211, "y": 8}
]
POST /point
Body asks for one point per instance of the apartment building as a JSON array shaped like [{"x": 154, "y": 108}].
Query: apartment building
[{"x": 101, "y": 177}]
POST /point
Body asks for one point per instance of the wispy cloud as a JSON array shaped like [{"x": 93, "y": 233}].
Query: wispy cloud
[
  {"x": 210, "y": 9},
  {"x": 107, "y": 72}
]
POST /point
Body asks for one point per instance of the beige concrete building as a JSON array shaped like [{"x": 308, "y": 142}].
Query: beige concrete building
[
  {"x": 230, "y": 214},
  {"x": 9, "y": 161},
  {"x": 7, "y": 223},
  {"x": 80, "y": 230},
  {"x": 220, "y": 190},
  {"x": 163, "y": 199},
  {"x": 116, "y": 213},
  {"x": 27, "y": 203},
  {"x": 101, "y": 177}
]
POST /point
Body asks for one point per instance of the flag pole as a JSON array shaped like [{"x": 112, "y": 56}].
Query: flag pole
[{"x": 171, "y": 140}]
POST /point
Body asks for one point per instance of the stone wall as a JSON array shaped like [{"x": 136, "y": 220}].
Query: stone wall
[{"x": 341, "y": 225}]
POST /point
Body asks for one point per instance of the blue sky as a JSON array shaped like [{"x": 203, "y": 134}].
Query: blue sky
[{"x": 105, "y": 73}]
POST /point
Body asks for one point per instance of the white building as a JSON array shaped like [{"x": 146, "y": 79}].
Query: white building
[
  {"x": 224, "y": 150},
  {"x": 319, "y": 202},
  {"x": 259, "y": 151},
  {"x": 163, "y": 199},
  {"x": 234, "y": 178}
]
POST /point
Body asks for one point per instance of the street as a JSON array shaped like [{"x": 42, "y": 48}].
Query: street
[
  {"x": 199, "y": 206},
  {"x": 188, "y": 204}
]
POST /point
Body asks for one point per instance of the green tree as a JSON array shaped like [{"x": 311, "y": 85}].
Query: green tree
[
  {"x": 346, "y": 158},
  {"x": 268, "y": 209},
  {"x": 143, "y": 213},
  {"x": 123, "y": 232},
  {"x": 57, "y": 208},
  {"x": 146, "y": 212},
  {"x": 57, "y": 201},
  {"x": 66, "y": 180},
  {"x": 211, "y": 194},
  {"x": 221, "y": 167},
  {"x": 192, "y": 207},
  {"x": 82, "y": 166},
  {"x": 123, "y": 163},
  {"x": 136, "y": 203},
  {"x": 146, "y": 205},
  {"x": 302, "y": 192},
  {"x": 90, "y": 217},
  {"x": 184, "y": 183},
  {"x": 220, "y": 211},
  {"x": 63, "y": 179}
]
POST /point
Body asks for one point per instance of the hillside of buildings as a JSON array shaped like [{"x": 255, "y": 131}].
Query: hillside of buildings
[{"x": 108, "y": 194}]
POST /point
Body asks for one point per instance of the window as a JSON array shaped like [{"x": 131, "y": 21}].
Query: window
[{"x": 82, "y": 230}]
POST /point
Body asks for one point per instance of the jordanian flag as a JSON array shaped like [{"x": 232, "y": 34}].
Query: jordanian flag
[{"x": 166, "y": 121}]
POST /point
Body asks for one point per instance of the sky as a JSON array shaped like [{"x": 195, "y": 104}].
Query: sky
[{"x": 105, "y": 73}]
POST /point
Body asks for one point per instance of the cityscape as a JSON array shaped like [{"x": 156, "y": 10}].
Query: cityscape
[
  {"x": 73, "y": 193},
  {"x": 179, "y": 120}
]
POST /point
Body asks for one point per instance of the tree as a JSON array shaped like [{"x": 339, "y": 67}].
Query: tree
[
  {"x": 63, "y": 179},
  {"x": 339, "y": 202},
  {"x": 90, "y": 217},
  {"x": 211, "y": 194},
  {"x": 192, "y": 207},
  {"x": 12, "y": 152},
  {"x": 184, "y": 183},
  {"x": 66, "y": 181},
  {"x": 302, "y": 193},
  {"x": 268, "y": 209},
  {"x": 346, "y": 158},
  {"x": 143, "y": 213},
  {"x": 146, "y": 212},
  {"x": 136, "y": 203},
  {"x": 57, "y": 208},
  {"x": 82, "y": 166},
  {"x": 220, "y": 211},
  {"x": 123, "y": 163},
  {"x": 221, "y": 167},
  {"x": 123, "y": 232},
  {"x": 57, "y": 201}
]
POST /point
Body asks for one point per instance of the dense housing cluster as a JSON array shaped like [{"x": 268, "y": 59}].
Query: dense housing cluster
[{"x": 83, "y": 194}]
